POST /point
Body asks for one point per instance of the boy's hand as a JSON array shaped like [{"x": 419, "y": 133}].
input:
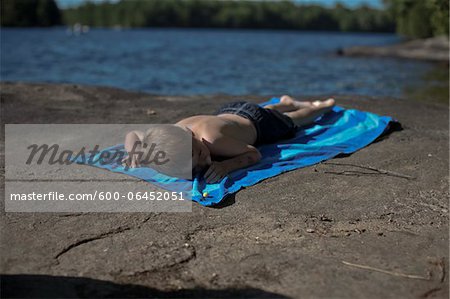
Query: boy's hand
[{"x": 216, "y": 172}]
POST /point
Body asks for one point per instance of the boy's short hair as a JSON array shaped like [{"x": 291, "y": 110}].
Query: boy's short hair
[{"x": 174, "y": 147}]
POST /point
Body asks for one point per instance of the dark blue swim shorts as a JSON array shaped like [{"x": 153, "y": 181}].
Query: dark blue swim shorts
[{"x": 271, "y": 125}]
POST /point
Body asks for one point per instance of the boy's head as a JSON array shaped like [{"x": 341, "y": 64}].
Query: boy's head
[{"x": 167, "y": 148}]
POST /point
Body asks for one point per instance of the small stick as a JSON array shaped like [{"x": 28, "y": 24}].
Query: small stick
[
  {"x": 385, "y": 271},
  {"x": 381, "y": 171}
]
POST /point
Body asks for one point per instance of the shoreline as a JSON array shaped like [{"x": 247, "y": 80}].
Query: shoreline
[
  {"x": 434, "y": 49},
  {"x": 405, "y": 96}
]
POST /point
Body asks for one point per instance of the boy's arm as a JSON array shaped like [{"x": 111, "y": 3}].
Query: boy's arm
[
  {"x": 244, "y": 156},
  {"x": 132, "y": 140}
]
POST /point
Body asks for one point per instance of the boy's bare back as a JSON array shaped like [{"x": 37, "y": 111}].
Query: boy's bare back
[
  {"x": 224, "y": 126},
  {"x": 224, "y": 137}
]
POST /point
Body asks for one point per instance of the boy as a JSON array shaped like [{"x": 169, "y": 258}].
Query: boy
[{"x": 230, "y": 135}]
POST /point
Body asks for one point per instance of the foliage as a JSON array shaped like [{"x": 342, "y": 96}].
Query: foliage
[
  {"x": 21, "y": 13},
  {"x": 420, "y": 18},
  {"x": 411, "y": 18},
  {"x": 229, "y": 14}
]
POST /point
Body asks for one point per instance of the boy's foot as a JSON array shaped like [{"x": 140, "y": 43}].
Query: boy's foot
[
  {"x": 287, "y": 100},
  {"x": 324, "y": 104}
]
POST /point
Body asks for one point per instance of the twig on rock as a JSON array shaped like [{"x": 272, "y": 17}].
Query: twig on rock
[
  {"x": 386, "y": 271},
  {"x": 376, "y": 170}
]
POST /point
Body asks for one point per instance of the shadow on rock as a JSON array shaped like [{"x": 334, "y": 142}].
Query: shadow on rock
[{"x": 45, "y": 286}]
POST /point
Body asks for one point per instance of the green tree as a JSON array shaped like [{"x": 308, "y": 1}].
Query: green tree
[
  {"x": 420, "y": 18},
  {"x": 440, "y": 17},
  {"x": 229, "y": 14},
  {"x": 29, "y": 13},
  {"x": 47, "y": 13}
]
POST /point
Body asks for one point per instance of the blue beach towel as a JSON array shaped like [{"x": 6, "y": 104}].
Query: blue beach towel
[{"x": 341, "y": 131}]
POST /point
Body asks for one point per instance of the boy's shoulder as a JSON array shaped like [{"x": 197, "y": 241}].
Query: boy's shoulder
[
  {"x": 200, "y": 120},
  {"x": 193, "y": 118}
]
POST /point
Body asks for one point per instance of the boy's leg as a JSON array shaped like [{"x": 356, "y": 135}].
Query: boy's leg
[
  {"x": 288, "y": 104},
  {"x": 302, "y": 113},
  {"x": 306, "y": 115}
]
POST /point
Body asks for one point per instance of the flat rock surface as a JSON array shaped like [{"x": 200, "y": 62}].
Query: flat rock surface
[{"x": 336, "y": 229}]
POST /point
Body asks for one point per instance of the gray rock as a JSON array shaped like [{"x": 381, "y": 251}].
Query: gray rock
[{"x": 145, "y": 254}]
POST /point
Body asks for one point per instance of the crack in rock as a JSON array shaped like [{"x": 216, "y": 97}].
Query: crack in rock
[
  {"x": 100, "y": 236},
  {"x": 175, "y": 264},
  {"x": 90, "y": 239}
]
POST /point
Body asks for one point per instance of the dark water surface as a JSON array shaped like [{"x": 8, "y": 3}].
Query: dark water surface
[{"x": 196, "y": 61}]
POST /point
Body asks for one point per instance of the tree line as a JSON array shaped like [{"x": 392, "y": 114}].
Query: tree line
[
  {"x": 420, "y": 18},
  {"x": 229, "y": 14},
  {"x": 412, "y": 18},
  {"x": 29, "y": 13}
]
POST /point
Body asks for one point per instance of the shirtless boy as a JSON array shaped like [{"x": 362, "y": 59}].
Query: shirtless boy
[{"x": 226, "y": 141}]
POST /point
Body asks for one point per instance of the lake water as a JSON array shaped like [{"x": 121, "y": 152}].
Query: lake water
[{"x": 199, "y": 61}]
